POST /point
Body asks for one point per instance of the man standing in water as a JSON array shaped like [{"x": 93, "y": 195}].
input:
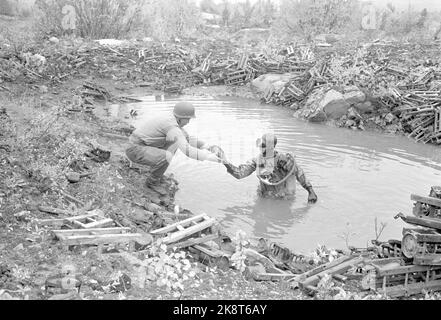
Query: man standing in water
[
  {"x": 276, "y": 171},
  {"x": 156, "y": 141}
]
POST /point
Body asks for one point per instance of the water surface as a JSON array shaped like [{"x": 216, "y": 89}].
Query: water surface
[{"x": 358, "y": 176}]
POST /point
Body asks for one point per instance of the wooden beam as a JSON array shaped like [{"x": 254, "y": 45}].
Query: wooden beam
[
  {"x": 427, "y": 200},
  {"x": 338, "y": 269},
  {"x": 101, "y": 239},
  {"x": 93, "y": 225},
  {"x": 176, "y": 236},
  {"x": 193, "y": 241},
  {"x": 272, "y": 276},
  {"x": 55, "y": 211},
  {"x": 73, "y": 232},
  {"x": 427, "y": 259},
  {"x": 425, "y": 222},
  {"x": 405, "y": 269},
  {"x": 321, "y": 268},
  {"x": 50, "y": 222},
  {"x": 411, "y": 289},
  {"x": 183, "y": 223}
]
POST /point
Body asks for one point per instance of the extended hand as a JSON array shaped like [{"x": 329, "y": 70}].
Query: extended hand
[
  {"x": 312, "y": 198},
  {"x": 213, "y": 158}
]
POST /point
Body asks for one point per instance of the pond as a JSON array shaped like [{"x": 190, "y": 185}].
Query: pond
[{"x": 358, "y": 176}]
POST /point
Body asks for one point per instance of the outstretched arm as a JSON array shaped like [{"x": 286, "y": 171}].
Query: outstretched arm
[
  {"x": 181, "y": 142},
  {"x": 242, "y": 171},
  {"x": 289, "y": 163}
]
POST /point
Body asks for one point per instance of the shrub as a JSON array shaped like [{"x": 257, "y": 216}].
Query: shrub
[
  {"x": 312, "y": 17},
  {"x": 6, "y": 8},
  {"x": 94, "y": 19}
]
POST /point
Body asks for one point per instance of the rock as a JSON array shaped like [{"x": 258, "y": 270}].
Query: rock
[
  {"x": 260, "y": 84},
  {"x": 334, "y": 105},
  {"x": 19, "y": 247},
  {"x": 318, "y": 116},
  {"x": 350, "y": 123},
  {"x": 6, "y": 296},
  {"x": 144, "y": 242},
  {"x": 54, "y": 40},
  {"x": 22, "y": 216},
  {"x": 152, "y": 207},
  {"x": 44, "y": 89},
  {"x": 365, "y": 107},
  {"x": 354, "y": 96},
  {"x": 252, "y": 271},
  {"x": 353, "y": 114},
  {"x": 123, "y": 284}
]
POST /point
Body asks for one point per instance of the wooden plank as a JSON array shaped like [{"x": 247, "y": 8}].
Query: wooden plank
[
  {"x": 427, "y": 200},
  {"x": 212, "y": 252},
  {"x": 100, "y": 223},
  {"x": 405, "y": 269},
  {"x": 176, "y": 236},
  {"x": 273, "y": 276},
  {"x": 321, "y": 268},
  {"x": 183, "y": 223},
  {"x": 102, "y": 239},
  {"x": 73, "y": 232},
  {"x": 50, "y": 222},
  {"x": 55, "y": 211},
  {"x": 411, "y": 289},
  {"x": 206, "y": 257},
  {"x": 338, "y": 269},
  {"x": 193, "y": 241},
  {"x": 424, "y": 235},
  {"x": 425, "y": 222},
  {"x": 427, "y": 259}
]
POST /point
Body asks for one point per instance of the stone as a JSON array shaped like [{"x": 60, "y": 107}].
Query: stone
[
  {"x": 350, "y": 123},
  {"x": 54, "y": 40},
  {"x": 354, "y": 96},
  {"x": 365, "y": 107},
  {"x": 353, "y": 114},
  {"x": 334, "y": 105},
  {"x": 260, "y": 84},
  {"x": 152, "y": 207},
  {"x": 44, "y": 89},
  {"x": 19, "y": 247},
  {"x": 318, "y": 116},
  {"x": 252, "y": 271}
]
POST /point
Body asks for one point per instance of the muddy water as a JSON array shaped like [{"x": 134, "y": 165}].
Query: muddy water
[{"x": 358, "y": 176}]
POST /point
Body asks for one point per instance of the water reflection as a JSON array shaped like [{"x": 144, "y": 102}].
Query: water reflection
[{"x": 272, "y": 218}]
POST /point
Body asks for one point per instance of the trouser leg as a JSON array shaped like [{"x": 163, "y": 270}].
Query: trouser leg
[{"x": 157, "y": 159}]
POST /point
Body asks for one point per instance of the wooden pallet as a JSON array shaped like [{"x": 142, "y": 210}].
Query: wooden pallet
[
  {"x": 399, "y": 281},
  {"x": 86, "y": 221},
  {"x": 242, "y": 62},
  {"x": 236, "y": 77},
  {"x": 427, "y": 206},
  {"x": 311, "y": 278},
  {"x": 184, "y": 229},
  {"x": 98, "y": 236},
  {"x": 210, "y": 256}
]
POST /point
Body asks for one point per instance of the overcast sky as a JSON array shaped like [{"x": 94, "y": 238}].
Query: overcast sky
[{"x": 399, "y": 4}]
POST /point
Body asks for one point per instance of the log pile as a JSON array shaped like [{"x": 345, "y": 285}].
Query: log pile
[
  {"x": 416, "y": 267},
  {"x": 402, "y": 78}
]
